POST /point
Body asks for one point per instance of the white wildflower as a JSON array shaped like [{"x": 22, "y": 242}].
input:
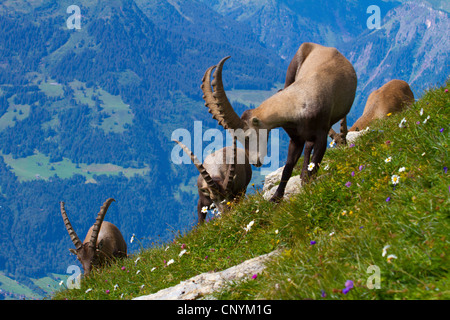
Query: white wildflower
[
  {"x": 311, "y": 166},
  {"x": 402, "y": 123},
  {"x": 139, "y": 271},
  {"x": 116, "y": 286},
  {"x": 61, "y": 282},
  {"x": 385, "y": 250},
  {"x": 402, "y": 169},
  {"x": 388, "y": 159},
  {"x": 181, "y": 253},
  {"x": 170, "y": 262},
  {"x": 395, "y": 179},
  {"x": 88, "y": 290},
  {"x": 153, "y": 269},
  {"x": 249, "y": 226},
  {"x": 332, "y": 143},
  {"x": 421, "y": 112},
  {"x": 205, "y": 209},
  {"x": 132, "y": 238},
  {"x": 390, "y": 257},
  {"x": 136, "y": 261},
  {"x": 425, "y": 121}
]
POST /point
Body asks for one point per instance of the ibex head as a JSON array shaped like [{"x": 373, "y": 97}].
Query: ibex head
[
  {"x": 87, "y": 252},
  {"x": 251, "y": 130},
  {"x": 214, "y": 188}
]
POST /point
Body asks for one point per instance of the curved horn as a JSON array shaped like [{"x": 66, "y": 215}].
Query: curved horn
[
  {"x": 199, "y": 166},
  {"x": 228, "y": 183},
  {"x": 98, "y": 223},
  {"x": 210, "y": 101},
  {"x": 217, "y": 101},
  {"x": 73, "y": 235}
]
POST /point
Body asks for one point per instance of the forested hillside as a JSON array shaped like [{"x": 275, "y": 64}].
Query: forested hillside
[{"x": 108, "y": 94}]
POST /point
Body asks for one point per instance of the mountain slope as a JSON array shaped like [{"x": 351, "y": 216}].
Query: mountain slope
[
  {"x": 412, "y": 45},
  {"x": 284, "y": 24},
  {"x": 106, "y": 96},
  {"x": 412, "y": 35},
  {"x": 364, "y": 229}
]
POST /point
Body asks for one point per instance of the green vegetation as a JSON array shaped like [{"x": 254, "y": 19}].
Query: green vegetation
[
  {"x": 39, "y": 166},
  {"x": 114, "y": 115},
  {"x": 33, "y": 289},
  {"x": 382, "y": 202},
  {"x": 15, "y": 112}
]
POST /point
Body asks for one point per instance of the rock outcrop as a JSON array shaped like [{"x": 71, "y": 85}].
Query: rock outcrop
[
  {"x": 207, "y": 283},
  {"x": 271, "y": 184}
]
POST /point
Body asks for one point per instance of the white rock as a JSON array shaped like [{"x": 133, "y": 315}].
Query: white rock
[
  {"x": 292, "y": 187},
  {"x": 353, "y": 135},
  {"x": 207, "y": 283},
  {"x": 272, "y": 178}
]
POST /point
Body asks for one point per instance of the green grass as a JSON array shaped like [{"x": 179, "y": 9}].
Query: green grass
[
  {"x": 38, "y": 166},
  {"x": 52, "y": 88},
  {"x": 252, "y": 97},
  {"x": 330, "y": 233},
  {"x": 15, "y": 112},
  {"x": 12, "y": 289}
]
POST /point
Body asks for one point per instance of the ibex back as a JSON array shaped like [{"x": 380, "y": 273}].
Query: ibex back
[
  {"x": 224, "y": 176},
  {"x": 319, "y": 91}
]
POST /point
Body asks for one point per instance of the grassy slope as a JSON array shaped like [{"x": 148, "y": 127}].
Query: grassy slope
[{"x": 331, "y": 232}]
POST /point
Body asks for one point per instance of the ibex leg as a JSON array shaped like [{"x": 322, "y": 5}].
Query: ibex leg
[{"x": 294, "y": 153}]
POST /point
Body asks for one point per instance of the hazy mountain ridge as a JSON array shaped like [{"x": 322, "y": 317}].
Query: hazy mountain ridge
[
  {"x": 412, "y": 45},
  {"x": 400, "y": 49}
]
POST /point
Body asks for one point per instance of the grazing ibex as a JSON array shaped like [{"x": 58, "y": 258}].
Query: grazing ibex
[
  {"x": 394, "y": 96},
  {"x": 224, "y": 176},
  {"x": 319, "y": 91},
  {"x": 103, "y": 241}
]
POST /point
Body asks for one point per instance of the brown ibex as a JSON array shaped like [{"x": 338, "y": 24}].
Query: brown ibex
[
  {"x": 319, "y": 91},
  {"x": 224, "y": 176},
  {"x": 394, "y": 96},
  {"x": 103, "y": 241}
]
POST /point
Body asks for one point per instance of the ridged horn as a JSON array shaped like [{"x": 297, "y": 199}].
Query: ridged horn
[
  {"x": 209, "y": 181},
  {"x": 228, "y": 183},
  {"x": 217, "y": 101},
  {"x": 210, "y": 101},
  {"x": 73, "y": 235},
  {"x": 98, "y": 223}
]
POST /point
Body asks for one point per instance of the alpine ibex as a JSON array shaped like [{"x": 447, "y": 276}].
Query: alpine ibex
[
  {"x": 103, "y": 241},
  {"x": 224, "y": 176},
  {"x": 393, "y": 97},
  {"x": 319, "y": 91}
]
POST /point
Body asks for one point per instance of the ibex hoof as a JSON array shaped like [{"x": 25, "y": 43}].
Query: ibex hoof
[{"x": 276, "y": 199}]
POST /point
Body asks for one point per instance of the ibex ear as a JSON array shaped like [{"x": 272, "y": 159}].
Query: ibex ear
[
  {"x": 100, "y": 245},
  {"x": 73, "y": 251}
]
